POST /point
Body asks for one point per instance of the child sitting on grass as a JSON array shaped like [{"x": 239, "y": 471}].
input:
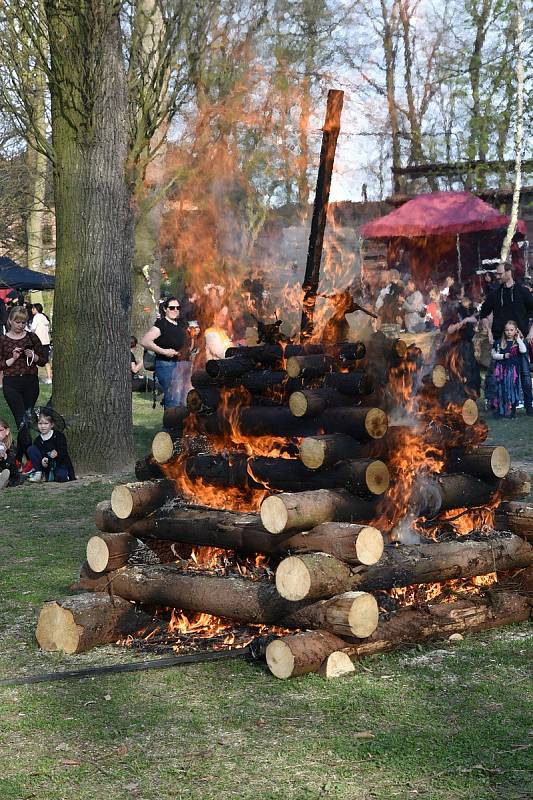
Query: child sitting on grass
[
  {"x": 507, "y": 354},
  {"x": 8, "y": 459},
  {"x": 49, "y": 453}
]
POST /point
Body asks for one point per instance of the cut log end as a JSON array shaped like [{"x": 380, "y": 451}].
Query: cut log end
[
  {"x": 336, "y": 665},
  {"x": 97, "y": 554},
  {"x": 122, "y": 501},
  {"x": 363, "y": 617},
  {"x": 376, "y": 423},
  {"x": 377, "y": 477},
  {"x": 312, "y": 452},
  {"x": 57, "y": 629},
  {"x": 274, "y": 514},
  {"x": 280, "y": 659},
  {"x": 500, "y": 461},
  {"x": 293, "y": 579},
  {"x": 439, "y": 376},
  {"x": 298, "y": 404},
  {"x": 162, "y": 447},
  {"x": 469, "y": 412},
  {"x": 369, "y": 545}
]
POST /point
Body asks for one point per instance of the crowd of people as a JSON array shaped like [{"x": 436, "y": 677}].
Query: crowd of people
[{"x": 505, "y": 314}]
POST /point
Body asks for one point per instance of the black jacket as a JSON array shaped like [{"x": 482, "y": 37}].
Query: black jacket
[
  {"x": 514, "y": 303},
  {"x": 56, "y": 442}
]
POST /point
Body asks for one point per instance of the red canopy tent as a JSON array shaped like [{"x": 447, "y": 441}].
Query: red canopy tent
[
  {"x": 447, "y": 215},
  {"x": 436, "y": 214}
]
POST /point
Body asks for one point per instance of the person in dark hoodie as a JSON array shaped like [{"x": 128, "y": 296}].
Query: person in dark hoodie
[
  {"x": 511, "y": 301},
  {"x": 49, "y": 453}
]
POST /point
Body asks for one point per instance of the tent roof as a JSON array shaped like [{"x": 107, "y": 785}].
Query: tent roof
[
  {"x": 438, "y": 213},
  {"x": 12, "y": 276}
]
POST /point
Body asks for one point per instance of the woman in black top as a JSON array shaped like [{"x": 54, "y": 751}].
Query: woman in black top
[{"x": 169, "y": 340}]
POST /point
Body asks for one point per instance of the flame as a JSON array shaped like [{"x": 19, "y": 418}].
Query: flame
[{"x": 444, "y": 592}]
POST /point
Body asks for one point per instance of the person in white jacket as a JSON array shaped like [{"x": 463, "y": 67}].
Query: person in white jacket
[{"x": 40, "y": 325}]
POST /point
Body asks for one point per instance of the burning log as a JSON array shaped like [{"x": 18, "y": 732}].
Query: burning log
[
  {"x": 431, "y": 562},
  {"x": 323, "y": 451},
  {"x": 203, "y": 398},
  {"x": 148, "y": 469},
  {"x": 515, "y": 517},
  {"x": 134, "y": 500},
  {"x": 309, "y": 366},
  {"x": 229, "y": 530},
  {"x": 173, "y": 418},
  {"x": 249, "y": 601},
  {"x": 361, "y": 423},
  {"x": 106, "y": 520},
  {"x": 222, "y": 368},
  {"x": 443, "y": 492},
  {"x": 516, "y": 485},
  {"x": 263, "y": 380},
  {"x": 266, "y": 355},
  {"x": 241, "y": 471},
  {"x": 109, "y": 551},
  {"x": 349, "y": 383},
  {"x": 320, "y": 575},
  {"x": 312, "y": 402},
  {"x": 292, "y": 655},
  {"x": 303, "y": 510},
  {"x": 76, "y": 624},
  {"x": 253, "y": 602},
  {"x": 208, "y": 527},
  {"x": 486, "y": 461}
]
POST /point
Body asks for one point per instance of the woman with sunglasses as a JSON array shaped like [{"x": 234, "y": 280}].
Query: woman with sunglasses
[{"x": 168, "y": 339}]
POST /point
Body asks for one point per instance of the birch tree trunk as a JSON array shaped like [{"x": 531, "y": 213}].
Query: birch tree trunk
[
  {"x": 94, "y": 232},
  {"x": 519, "y": 129}
]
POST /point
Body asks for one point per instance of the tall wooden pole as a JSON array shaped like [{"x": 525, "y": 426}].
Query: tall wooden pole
[{"x": 318, "y": 223}]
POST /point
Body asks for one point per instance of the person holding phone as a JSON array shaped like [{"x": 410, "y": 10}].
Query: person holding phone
[{"x": 21, "y": 353}]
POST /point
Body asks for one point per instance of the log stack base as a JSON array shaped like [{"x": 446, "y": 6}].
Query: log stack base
[{"x": 322, "y": 524}]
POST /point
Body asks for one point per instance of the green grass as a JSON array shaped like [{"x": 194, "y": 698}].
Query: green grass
[{"x": 444, "y": 722}]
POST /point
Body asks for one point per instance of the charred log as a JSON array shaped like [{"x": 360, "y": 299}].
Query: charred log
[{"x": 515, "y": 517}]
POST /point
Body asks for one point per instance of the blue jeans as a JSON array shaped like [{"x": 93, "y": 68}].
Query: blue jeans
[
  {"x": 36, "y": 457},
  {"x": 175, "y": 380}
]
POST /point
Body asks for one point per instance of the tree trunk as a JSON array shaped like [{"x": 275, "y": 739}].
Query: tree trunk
[
  {"x": 94, "y": 219},
  {"x": 348, "y": 542},
  {"x": 78, "y": 623}
]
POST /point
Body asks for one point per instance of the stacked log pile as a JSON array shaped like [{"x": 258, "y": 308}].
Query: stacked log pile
[{"x": 323, "y": 523}]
